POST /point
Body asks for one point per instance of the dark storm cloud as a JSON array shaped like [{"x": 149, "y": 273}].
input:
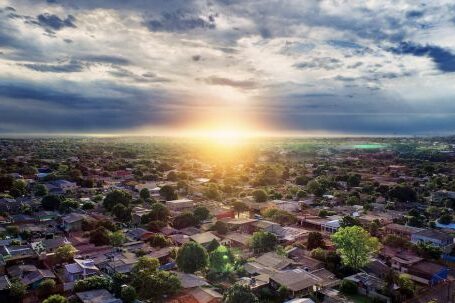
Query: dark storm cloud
[
  {"x": 79, "y": 107},
  {"x": 443, "y": 58},
  {"x": 54, "y": 22},
  {"x": 242, "y": 84}
]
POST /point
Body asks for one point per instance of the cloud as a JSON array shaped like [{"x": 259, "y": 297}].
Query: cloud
[
  {"x": 443, "y": 58},
  {"x": 71, "y": 67},
  {"x": 71, "y": 106},
  {"x": 180, "y": 22},
  {"x": 105, "y": 59},
  {"x": 54, "y": 22},
  {"x": 242, "y": 84},
  {"x": 320, "y": 63}
]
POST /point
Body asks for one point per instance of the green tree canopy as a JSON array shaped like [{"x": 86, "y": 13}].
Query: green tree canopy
[
  {"x": 239, "y": 293},
  {"x": 355, "y": 246},
  {"x": 185, "y": 220},
  {"x": 191, "y": 257},
  {"x": 315, "y": 240},
  {"x": 65, "y": 253},
  {"x": 263, "y": 241},
  {"x": 260, "y": 195},
  {"x": 201, "y": 213},
  {"x": 144, "y": 193},
  {"x": 51, "y": 202},
  {"x": 115, "y": 197},
  {"x": 168, "y": 192},
  {"x": 56, "y": 299},
  {"x": 221, "y": 259}
]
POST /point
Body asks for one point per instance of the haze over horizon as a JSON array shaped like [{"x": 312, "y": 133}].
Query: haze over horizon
[{"x": 227, "y": 67}]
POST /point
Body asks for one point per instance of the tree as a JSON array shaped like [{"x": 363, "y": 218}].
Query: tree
[
  {"x": 407, "y": 286},
  {"x": 239, "y": 207},
  {"x": 155, "y": 286},
  {"x": 117, "y": 238},
  {"x": 185, "y": 220},
  {"x": 50, "y": 202},
  {"x": 65, "y": 253},
  {"x": 151, "y": 283},
  {"x": 263, "y": 241},
  {"x": 68, "y": 205},
  {"x": 239, "y": 293},
  {"x": 93, "y": 282},
  {"x": 168, "y": 192},
  {"x": 145, "y": 265},
  {"x": 115, "y": 197},
  {"x": 348, "y": 287},
  {"x": 19, "y": 188},
  {"x": 99, "y": 236},
  {"x": 220, "y": 227},
  {"x": 158, "y": 212},
  {"x": 347, "y": 221},
  {"x": 159, "y": 240},
  {"x": 354, "y": 180},
  {"x": 47, "y": 286},
  {"x": 201, "y": 213},
  {"x": 315, "y": 240},
  {"x": 17, "y": 289},
  {"x": 191, "y": 257},
  {"x": 302, "y": 180},
  {"x": 40, "y": 190},
  {"x": 221, "y": 259},
  {"x": 403, "y": 194},
  {"x": 446, "y": 219},
  {"x": 353, "y": 200},
  {"x": 355, "y": 246},
  {"x": 279, "y": 216},
  {"x": 122, "y": 212},
  {"x": 56, "y": 299},
  {"x": 144, "y": 194},
  {"x": 128, "y": 294},
  {"x": 259, "y": 195},
  {"x": 214, "y": 244},
  {"x": 315, "y": 188}
]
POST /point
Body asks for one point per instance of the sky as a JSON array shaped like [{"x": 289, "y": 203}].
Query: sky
[{"x": 372, "y": 67}]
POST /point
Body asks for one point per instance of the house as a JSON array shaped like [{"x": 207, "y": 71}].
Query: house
[
  {"x": 268, "y": 263},
  {"x": 204, "y": 238},
  {"x": 243, "y": 225},
  {"x": 60, "y": 186},
  {"x": 434, "y": 237},
  {"x": 49, "y": 245},
  {"x": 121, "y": 262},
  {"x": 80, "y": 269},
  {"x": 73, "y": 222},
  {"x": 190, "y": 280},
  {"x": 180, "y": 205},
  {"x": 235, "y": 239},
  {"x": 13, "y": 253},
  {"x": 97, "y": 296},
  {"x": 5, "y": 285},
  {"x": 369, "y": 285},
  {"x": 137, "y": 214},
  {"x": 298, "y": 281},
  {"x": 9, "y": 205},
  {"x": 30, "y": 275},
  {"x": 138, "y": 234},
  {"x": 428, "y": 273},
  {"x": 401, "y": 230},
  {"x": 298, "y": 255}
]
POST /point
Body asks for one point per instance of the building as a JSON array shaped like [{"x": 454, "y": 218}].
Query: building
[
  {"x": 180, "y": 204},
  {"x": 80, "y": 269},
  {"x": 298, "y": 281},
  {"x": 434, "y": 237},
  {"x": 97, "y": 296},
  {"x": 204, "y": 238},
  {"x": 401, "y": 230},
  {"x": 73, "y": 222}
]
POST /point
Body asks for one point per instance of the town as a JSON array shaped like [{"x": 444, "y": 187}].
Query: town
[{"x": 275, "y": 220}]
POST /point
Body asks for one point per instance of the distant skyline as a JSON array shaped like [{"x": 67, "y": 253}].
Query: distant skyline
[{"x": 328, "y": 67}]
